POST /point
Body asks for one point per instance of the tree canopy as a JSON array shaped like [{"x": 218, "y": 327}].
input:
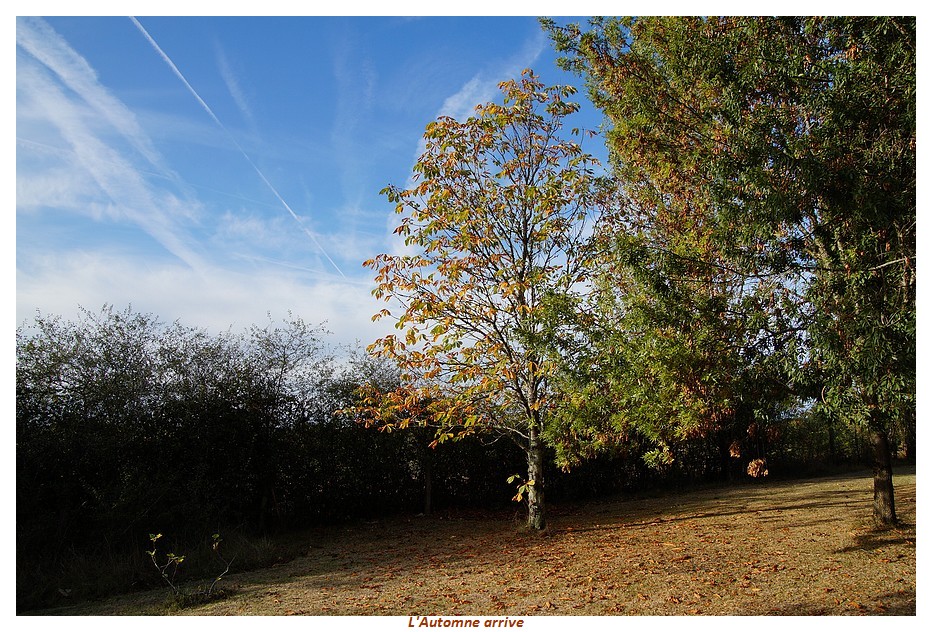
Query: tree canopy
[
  {"x": 777, "y": 155},
  {"x": 495, "y": 222}
]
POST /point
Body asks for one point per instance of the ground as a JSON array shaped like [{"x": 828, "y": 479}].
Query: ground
[{"x": 803, "y": 547}]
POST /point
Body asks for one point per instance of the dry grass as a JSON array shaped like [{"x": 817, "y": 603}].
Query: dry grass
[{"x": 794, "y": 547}]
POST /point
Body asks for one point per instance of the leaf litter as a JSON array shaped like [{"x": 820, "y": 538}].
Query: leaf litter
[{"x": 803, "y": 547}]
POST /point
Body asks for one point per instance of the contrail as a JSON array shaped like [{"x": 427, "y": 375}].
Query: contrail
[{"x": 206, "y": 107}]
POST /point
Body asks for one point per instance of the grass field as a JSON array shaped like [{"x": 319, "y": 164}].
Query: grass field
[{"x": 776, "y": 548}]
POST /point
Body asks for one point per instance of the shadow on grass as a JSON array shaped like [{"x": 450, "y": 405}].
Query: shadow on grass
[
  {"x": 890, "y": 604},
  {"x": 360, "y": 556},
  {"x": 737, "y": 500},
  {"x": 768, "y": 513},
  {"x": 874, "y": 539}
]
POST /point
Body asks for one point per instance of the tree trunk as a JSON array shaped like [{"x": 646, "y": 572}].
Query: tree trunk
[
  {"x": 535, "y": 475},
  {"x": 884, "y": 511}
]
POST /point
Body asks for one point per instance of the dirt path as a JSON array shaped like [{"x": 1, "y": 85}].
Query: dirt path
[{"x": 794, "y": 548}]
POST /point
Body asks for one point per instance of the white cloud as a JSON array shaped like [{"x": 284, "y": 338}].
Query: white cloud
[
  {"x": 52, "y": 183},
  {"x": 480, "y": 89},
  {"x": 213, "y": 298},
  {"x": 36, "y": 37},
  {"x": 232, "y": 84},
  {"x": 59, "y": 96},
  {"x": 82, "y": 151},
  {"x": 310, "y": 234},
  {"x": 463, "y": 104},
  {"x": 255, "y": 230},
  {"x": 483, "y": 87}
]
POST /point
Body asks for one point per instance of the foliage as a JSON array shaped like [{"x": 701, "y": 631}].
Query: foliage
[
  {"x": 172, "y": 562},
  {"x": 744, "y": 301},
  {"x": 494, "y": 226},
  {"x": 125, "y": 423},
  {"x": 168, "y": 571},
  {"x": 781, "y": 153},
  {"x": 186, "y": 443}
]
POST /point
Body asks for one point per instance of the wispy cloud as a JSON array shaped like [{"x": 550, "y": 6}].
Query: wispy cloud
[
  {"x": 483, "y": 87},
  {"x": 480, "y": 89},
  {"x": 356, "y": 80},
  {"x": 232, "y": 138},
  {"x": 233, "y": 86},
  {"x": 49, "y": 177},
  {"x": 37, "y": 38},
  {"x": 61, "y": 93},
  {"x": 81, "y": 150}
]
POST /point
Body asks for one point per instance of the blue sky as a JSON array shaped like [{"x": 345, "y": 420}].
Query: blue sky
[{"x": 216, "y": 169}]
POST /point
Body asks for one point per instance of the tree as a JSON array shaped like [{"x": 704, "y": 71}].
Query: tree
[
  {"x": 83, "y": 393},
  {"x": 791, "y": 144},
  {"x": 669, "y": 354},
  {"x": 494, "y": 223}
]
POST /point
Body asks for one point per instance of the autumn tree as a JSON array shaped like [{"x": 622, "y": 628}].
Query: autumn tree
[
  {"x": 787, "y": 146},
  {"x": 494, "y": 224}
]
